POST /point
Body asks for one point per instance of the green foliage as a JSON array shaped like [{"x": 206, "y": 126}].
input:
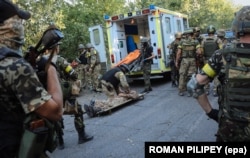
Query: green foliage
[{"x": 74, "y": 17}]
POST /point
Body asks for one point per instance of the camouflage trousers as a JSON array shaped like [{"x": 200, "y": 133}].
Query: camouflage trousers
[
  {"x": 174, "y": 73},
  {"x": 78, "y": 120},
  {"x": 187, "y": 68},
  {"x": 233, "y": 131},
  {"x": 93, "y": 78},
  {"x": 80, "y": 69},
  {"x": 146, "y": 68}
]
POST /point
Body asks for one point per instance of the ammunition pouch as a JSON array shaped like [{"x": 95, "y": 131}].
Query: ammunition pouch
[{"x": 39, "y": 136}]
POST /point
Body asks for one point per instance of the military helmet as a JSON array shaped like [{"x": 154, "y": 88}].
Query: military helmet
[
  {"x": 196, "y": 29},
  {"x": 144, "y": 39},
  {"x": 221, "y": 33},
  {"x": 89, "y": 45},
  {"x": 125, "y": 67},
  {"x": 188, "y": 31},
  {"x": 81, "y": 46},
  {"x": 211, "y": 29},
  {"x": 241, "y": 22},
  {"x": 178, "y": 35}
]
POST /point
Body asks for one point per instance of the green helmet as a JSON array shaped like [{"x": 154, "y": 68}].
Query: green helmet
[
  {"x": 241, "y": 22},
  {"x": 81, "y": 46},
  {"x": 211, "y": 29},
  {"x": 89, "y": 45},
  {"x": 221, "y": 33}
]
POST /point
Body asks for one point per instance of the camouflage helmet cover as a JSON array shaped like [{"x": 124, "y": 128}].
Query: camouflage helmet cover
[
  {"x": 221, "y": 33},
  {"x": 196, "y": 29},
  {"x": 178, "y": 35},
  {"x": 241, "y": 22}
]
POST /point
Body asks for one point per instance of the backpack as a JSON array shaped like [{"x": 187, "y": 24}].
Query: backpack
[
  {"x": 210, "y": 46},
  {"x": 234, "y": 91}
]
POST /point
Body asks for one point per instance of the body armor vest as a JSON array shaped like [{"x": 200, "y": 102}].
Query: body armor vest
[
  {"x": 188, "y": 49},
  {"x": 234, "y": 92}
]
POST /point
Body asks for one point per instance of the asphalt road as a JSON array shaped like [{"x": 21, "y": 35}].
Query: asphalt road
[{"x": 162, "y": 116}]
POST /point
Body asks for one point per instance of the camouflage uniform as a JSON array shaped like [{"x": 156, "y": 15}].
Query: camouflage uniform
[
  {"x": 187, "y": 53},
  {"x": 67, "y": 79},
  {"x": 21, "y": 93},
  {"x": 147, "y": 53},
  {"x": 82, "y": 66},
  {"x": 115, "y": 87},
  {"x": 173, "y": 49},
  {"x": 94, "y": 68}
]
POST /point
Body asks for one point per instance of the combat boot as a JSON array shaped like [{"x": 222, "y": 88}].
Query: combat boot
[{"x": 84, "y": 137}]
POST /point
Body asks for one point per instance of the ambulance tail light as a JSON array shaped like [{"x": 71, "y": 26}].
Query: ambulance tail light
[
  {"x": 159, "y": 52},
  {"x": 112, "y": 57}
]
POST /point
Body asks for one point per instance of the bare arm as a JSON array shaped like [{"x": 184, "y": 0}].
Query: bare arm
[{"x": 52, "y": 109}]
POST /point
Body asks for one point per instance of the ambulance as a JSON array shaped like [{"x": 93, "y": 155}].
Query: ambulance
[{"x": 124, "y": 31}]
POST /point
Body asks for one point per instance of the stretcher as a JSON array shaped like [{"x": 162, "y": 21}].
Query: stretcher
[
  {"x": 133, "y": 60},
  {"x": 109, "y": 110}
]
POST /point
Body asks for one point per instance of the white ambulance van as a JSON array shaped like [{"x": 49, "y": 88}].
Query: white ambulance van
[{"x": 123, "y": 33}]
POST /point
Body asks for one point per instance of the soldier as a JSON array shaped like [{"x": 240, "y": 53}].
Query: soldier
[
  {"x": 221, "y": 35},
  {"x": 199, "y": 57},
  {"x": 67, "y": 77},
  {"x": 187, "y": 51},
  {"x": 82, "y": 66},
  {"x": 94, "y": 68},
  {"x": 147, "y": 61},
  {"x": 115, "y": 87},
  {"x": 230, "y": 64},
  {"x": 21, "y": 93},
  {"x": 173, "y": 49},
  {"x": 209, "y": 45}
]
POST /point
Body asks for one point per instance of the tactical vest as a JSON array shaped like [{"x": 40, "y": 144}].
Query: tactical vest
[
  {"x": 110, "y": 76},
  {"x": 234, "y": 92},
  {"x": 189, "y": 48},
  {"x": 147, "y": 53},
  {"x": 210, "y": 46}
]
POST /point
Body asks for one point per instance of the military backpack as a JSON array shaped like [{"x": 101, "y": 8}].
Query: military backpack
[{"x": 210, "y": 46}]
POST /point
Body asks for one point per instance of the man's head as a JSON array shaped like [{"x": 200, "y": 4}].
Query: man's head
[
  {"x": 211, "y": 29},
  {"x": 124, "y": 68},
  {"x": 80, "y": 47},
  {"x": 11, "y": 25},
  {"x": 241, "y": 22},
  {"x": 196, "y": 31},
  {"x": 144, "y": 41},
  {"x": 178, "y": 35},
  {"x": 189, "y": 33},
  {"x": 221, "y": 33}
]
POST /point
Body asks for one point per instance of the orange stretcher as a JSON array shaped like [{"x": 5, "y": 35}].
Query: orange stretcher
[{"x": 131, "y": 57}]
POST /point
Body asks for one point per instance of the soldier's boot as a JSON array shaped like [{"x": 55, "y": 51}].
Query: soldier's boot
[
  {"x": 83, "y": 136},
  {"x": 214, "y": 114},
  {"x": 60, "y": 145}
]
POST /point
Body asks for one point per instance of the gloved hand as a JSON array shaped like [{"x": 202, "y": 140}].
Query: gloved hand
[{"x": 192, "y": 85}]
